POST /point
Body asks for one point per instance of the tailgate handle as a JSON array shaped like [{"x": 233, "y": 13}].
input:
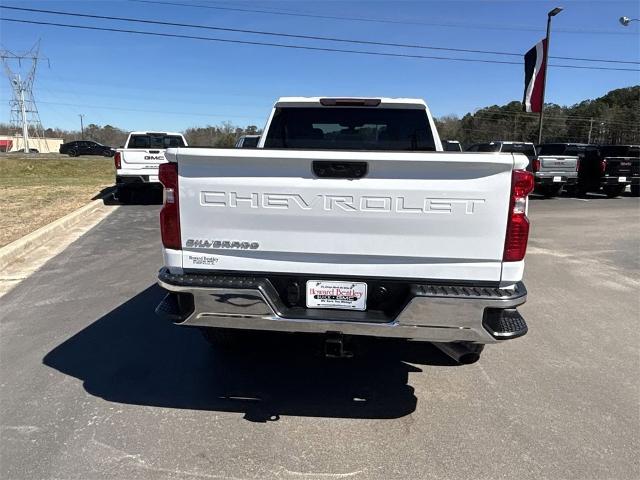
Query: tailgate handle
[
  {"x": 325, "y": 169},
  {"x": 154, "y": 151}
]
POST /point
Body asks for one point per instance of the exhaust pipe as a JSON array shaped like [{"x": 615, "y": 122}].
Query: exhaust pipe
[{"x": 462, "y": 353}]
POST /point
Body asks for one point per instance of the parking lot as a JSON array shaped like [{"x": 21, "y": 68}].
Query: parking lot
[{"x": 98, "y": 387}]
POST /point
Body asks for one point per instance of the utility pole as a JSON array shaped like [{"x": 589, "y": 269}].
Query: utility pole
[
  {"x": 590, "y": 130},
  {"x": 81, "y": 115},
  {"x": 24, "y": 112},
  {"x": 552, "y": 13}
]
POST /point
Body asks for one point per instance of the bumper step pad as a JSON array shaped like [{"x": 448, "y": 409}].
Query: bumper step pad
[{"x": 505, "y": 324}]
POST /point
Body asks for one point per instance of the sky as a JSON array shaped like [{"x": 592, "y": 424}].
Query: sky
[{"x": 156, "y": 83}]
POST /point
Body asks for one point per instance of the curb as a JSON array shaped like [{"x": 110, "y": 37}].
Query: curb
[{"x": 20, "y": 247}]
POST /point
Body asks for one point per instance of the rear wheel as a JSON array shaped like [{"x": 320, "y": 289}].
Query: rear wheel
[
  {"x": 72, "y": 153},
  {"x": 124, "y": 194},
  {"x": 571, "y": 190},
  {"x": 635, "y": 190},
  {"x": 613, "y": 191}
]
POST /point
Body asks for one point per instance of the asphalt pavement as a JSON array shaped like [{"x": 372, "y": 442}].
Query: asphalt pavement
[{"x": 94, "y": 386}]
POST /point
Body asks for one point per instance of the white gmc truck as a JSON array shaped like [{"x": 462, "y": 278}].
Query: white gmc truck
[
  {"x": 348, "y": 219},
  {"x": 138, "y": 161}
]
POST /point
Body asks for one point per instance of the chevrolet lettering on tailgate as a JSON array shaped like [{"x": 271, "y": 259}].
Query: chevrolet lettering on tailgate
[{"x": 346, "y": 203}]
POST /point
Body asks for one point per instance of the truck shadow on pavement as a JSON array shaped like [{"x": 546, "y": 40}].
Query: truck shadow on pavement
[
  {"x": 130, "y": 356},
  {"x": 148, "y": 196}
]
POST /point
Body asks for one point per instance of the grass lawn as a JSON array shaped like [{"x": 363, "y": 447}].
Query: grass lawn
[{"x": 37, "y": 190}]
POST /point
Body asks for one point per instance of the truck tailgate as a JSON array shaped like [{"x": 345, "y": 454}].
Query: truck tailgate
[
  {"x": 142, "y": 157},
  {"x": 414, "y": 215},
  {"x": 558, "y": 163},
  {"x": 626, "y": 166}
]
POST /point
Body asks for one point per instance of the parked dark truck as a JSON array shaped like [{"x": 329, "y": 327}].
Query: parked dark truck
[
  {"x": 348, "y": 219},
  {"x": 610, "y": 168}
]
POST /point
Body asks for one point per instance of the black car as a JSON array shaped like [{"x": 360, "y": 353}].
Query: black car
[
  {"x": 610, "y": 168},
  {"x": 86, "y": 147}
]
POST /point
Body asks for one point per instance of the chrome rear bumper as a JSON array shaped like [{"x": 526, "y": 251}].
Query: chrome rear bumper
[{"x": 435, "y": 313}]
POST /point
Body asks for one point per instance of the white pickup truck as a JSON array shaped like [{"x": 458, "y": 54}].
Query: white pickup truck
[
  {"x": 138, "y": 161},
  {"x": 348, "y": 219}
]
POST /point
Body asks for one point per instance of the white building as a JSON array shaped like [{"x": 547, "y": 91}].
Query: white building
[{"x": 12, "y": 143}]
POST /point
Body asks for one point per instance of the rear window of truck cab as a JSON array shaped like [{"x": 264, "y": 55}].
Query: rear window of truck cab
[
  {"x": 567, "y": 149},
  {"x": 527, "y": 148},
  {"x": 553, "y": 149},
  {"x": 620, "y": 151},
  {"x": 155, "y": 141},
  {"x": 484, "y": 147},
  {"x": 350, "y": 128}
]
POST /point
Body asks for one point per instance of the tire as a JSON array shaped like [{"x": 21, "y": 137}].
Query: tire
[
  {"x": 72, "y": 153},
  {"x": 551, "y": 190},
  {"x": 124, "y": 195},
  {"x": 571, "y": 190},
  {"x": 613, "y": 191},
  {"x": 581, "y": 190},
  {"x": 107, "y": 154},
  {"x": 635, "y": 190}
]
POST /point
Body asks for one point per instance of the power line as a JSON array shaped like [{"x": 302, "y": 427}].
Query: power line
[
  {"x": 305, "y": 37},
  {"x": 380, "y": 20},
  {"x": 301, "y": 47},
  {"x": 146, "y": 111}
]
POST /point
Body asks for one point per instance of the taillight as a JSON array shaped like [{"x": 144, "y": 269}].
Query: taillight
[
  {"x": 170, "y": 213},
  {"x": 515, "y": 245},
  {"x": 603, "y": 166},
  {"x": 578, "y": 165},
  {"x": 536, "y": 165},
  {"x": 117, "y": 160}
]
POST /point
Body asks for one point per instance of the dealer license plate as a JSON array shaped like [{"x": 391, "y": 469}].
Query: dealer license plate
[
  {"x": 331, "y": 294},
  {"x": 557, "y": 179},
  {"x": 622, "y": 179}
]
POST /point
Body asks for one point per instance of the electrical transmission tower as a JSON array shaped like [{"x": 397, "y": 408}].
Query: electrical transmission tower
[{"x": 25, "y": 120}]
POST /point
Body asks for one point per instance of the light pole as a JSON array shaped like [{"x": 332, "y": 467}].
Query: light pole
[
  {"x": 81, "y": 125},
  {"x": 552, "y": 13},
  {"x": 625, "y": 21}
]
